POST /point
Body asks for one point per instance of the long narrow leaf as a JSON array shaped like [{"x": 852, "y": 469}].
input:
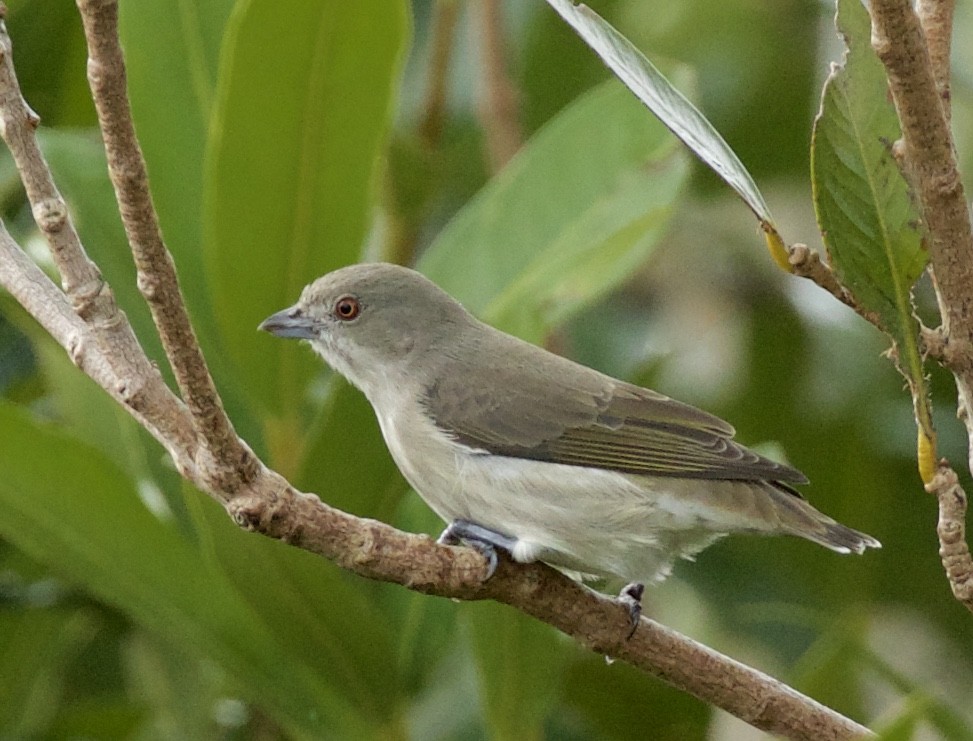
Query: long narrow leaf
[
  {"x": 293, "y": 156},
  {"x": 673, "y": 108},
  {"x": 568, "y": 219}
]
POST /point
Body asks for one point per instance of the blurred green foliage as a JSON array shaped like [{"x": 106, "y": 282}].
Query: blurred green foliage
[{"x": 282, "y": 141}]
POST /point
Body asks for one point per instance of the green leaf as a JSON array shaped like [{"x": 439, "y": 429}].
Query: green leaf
[
  {"x": 919, "y": 705},
  {"x": 36, "y": 647},
  {"x": 172, "y": 104},
  {"x": 93, "y": 416},
  {"x": 77, "y": 513},
  {"x": 314, "y": 611},
  {"x": 346, "y": 460},
  {"x": 519, "y": 663},
  {"x": 293, "y": 159},
  {"x": 49, "y": 47},
  {"x": 568, "y": 219},
  {"x": 616, "y": 700},
  {"x": 867, "y": 219},
  {"x": 672, "y": 108}
]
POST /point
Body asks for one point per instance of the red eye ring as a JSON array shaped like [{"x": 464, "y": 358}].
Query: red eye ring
[{"x": 347, "y": 308}]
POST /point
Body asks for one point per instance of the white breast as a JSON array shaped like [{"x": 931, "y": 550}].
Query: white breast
[{"x": 584, "y": 520}]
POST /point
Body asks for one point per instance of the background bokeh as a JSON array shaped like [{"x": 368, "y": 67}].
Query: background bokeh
[{"x": 285, "y": 139}]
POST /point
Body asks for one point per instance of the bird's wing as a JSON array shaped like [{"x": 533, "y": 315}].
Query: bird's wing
[{"x": 579, "y": 417}]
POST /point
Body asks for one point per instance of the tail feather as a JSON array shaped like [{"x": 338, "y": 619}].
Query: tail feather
[{"x": 797, "y": 517}]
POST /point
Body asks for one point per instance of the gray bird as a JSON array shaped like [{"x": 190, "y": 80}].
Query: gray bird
[{"x": 520, "y": 449}]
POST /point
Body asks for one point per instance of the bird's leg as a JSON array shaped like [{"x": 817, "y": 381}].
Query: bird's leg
[
  {"x": 631, "y": 598},
  {"x": 480, "y": 538}
]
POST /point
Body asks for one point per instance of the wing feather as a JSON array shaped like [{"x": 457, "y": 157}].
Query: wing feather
[{"x": 561, "y": 412}]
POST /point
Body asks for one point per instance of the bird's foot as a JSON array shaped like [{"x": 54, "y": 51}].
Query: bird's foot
[
  {"x": 480, "y": 538},
  {"x": 631, "y": 598}
]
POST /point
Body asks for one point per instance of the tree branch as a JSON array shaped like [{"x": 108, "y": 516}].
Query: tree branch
[
  {"x": 259, "y": 499},
  {"x": 143, "y": 393},
  {"x": 936, "y": 17},
  {"x": 807, "y": 263},
  {"x": 897, "y": 37},
  {"x": 377, "y": 551},
  {"x": 98, "y": 336},
  {"x": 953, "y": 550},
  {"x": 157, "y": 278}
]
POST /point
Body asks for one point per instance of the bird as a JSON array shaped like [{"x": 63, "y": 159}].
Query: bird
[{"x": 525, "y": 452}]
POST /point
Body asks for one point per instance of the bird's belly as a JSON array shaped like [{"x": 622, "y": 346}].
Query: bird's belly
[{"x": 589, "y": 521}]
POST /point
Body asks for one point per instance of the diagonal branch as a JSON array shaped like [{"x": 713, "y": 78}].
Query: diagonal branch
[
  {"x": 107, "y": 349},
  {"x": 144, "y": 395},
  {"x": 807, "y": 263},
  {"x": 157, "y": 278},
  {"x": 898, "y": 38},
  {"x": 378, "y": 551}
]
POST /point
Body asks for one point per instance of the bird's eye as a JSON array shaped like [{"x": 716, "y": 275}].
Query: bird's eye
[{"x": 347, "y": 308}]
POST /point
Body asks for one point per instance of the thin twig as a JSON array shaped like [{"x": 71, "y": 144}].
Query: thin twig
[
  {"x": 135, "y": 385},
  {"x": 108, "y": 344},
  {"x": 499, "y": 107},
  {"x": 897, "y": 37},
  {"x": 80, "y": 277},
  {"x": 932, "y": 343},
  {"x": 953, "y": 550},
  {"x": 157, "y": 278},
  {"x": 807, "y": 263}
]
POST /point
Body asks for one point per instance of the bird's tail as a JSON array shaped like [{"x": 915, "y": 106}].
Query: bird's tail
[{"x": 797, "y": 517}]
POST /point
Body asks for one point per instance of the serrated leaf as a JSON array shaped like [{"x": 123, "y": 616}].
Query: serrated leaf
[
  {"x": 679, "y": 115},
  {"x": 867, "y": 219},
  {"x": 568, "y": 219}
]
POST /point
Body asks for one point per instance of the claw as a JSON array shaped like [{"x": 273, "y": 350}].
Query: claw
[
  {"x": 631, "y": 598},
  {"x": 479, "y": 538}
]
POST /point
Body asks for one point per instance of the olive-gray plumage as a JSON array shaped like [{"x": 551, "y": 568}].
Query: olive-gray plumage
[{"x": 580, "y": 470}]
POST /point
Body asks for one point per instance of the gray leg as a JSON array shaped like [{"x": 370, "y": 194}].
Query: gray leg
[
  {"x": 631, "y": 598},
  {"x": 480, "y": 538}
]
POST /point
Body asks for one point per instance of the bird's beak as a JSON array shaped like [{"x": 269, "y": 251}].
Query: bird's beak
[{"x": 290, "y": 323}]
